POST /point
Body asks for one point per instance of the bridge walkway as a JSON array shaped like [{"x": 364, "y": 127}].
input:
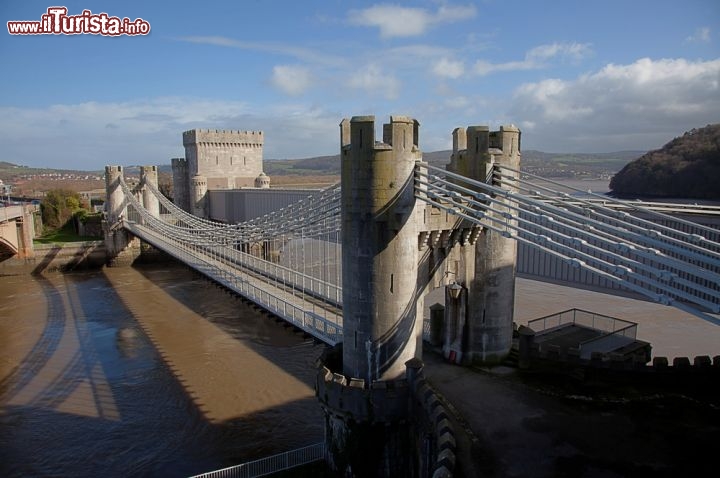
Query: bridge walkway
[{"x": 305, "y": 311}]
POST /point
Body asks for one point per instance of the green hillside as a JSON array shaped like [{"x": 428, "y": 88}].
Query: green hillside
[{"x": 686, "y": 167}]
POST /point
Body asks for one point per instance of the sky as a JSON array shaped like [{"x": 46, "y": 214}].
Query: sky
[{"x": 574, "y": 76}]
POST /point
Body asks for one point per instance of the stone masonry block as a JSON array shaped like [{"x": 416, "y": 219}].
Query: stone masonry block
[
  {"x": 446, "y": 440},
  {"x": 681, "y": 363},
  {"x": 442, "y": 472},
  {"x": 443, "y": 426},
  {"x": 660, "y": 362},
  {"x": 702, "y": 361}
]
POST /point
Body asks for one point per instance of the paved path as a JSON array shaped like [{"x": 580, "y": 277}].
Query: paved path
[
  {"x": 514, "y": 425},
  {"x": 672, "y": 332},
  {"x": 510, "y": 425}
]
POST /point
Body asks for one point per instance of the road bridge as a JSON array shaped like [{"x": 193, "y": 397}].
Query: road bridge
[{"x": 17, "y": 230}]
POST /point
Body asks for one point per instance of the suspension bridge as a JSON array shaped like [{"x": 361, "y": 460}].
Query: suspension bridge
[
  {"x": 290, "y": 262},
  {"x": 351, "y": 264}
]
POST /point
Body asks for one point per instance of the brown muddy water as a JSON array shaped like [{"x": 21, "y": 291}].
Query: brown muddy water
[{"x": 145, "y": 371}]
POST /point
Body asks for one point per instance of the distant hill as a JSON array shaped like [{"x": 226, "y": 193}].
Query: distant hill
[
  {"x": 686, "y": 167},
  {"x": 551, "y": 165}
]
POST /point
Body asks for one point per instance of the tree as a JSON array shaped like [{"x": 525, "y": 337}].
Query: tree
[
  {"x": 686, "y": 167},
  {"x": 58, "y": 207}
]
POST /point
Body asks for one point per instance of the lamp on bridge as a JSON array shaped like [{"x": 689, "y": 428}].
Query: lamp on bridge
[
  {"x": 454, "y": 288},
  {"x": 454, "y": 321}
]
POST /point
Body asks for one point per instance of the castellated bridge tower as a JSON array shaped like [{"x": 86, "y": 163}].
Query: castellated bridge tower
[
  {"x": 489, "y": 272},
  {"x": 149, "y": 175},
  {"x": 363, "y": 389},
  {"x": 379, "y": 236}
]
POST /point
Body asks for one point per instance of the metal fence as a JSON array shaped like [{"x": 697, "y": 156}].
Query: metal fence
[
  {"x": 615, "y": 333},
  {"x": 604, "y": 323},
  {"x": 271, "y": 464}
]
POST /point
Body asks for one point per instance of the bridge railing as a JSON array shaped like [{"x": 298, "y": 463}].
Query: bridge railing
[
  {"x": 272, "y": 464},
  {"x": 213, "y": 265},
  {"x": 309, "y": 284},
  {"x": 229, "y": 241},
  {"x": 600, "y": 322}
]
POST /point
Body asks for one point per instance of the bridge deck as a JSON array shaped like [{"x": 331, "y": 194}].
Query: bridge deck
[{"x": 303, "y": 311}]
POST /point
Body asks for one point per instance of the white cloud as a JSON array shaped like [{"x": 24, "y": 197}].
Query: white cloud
[
  {"x": 301, "y": 53},
  {"x": 397, "y": 21},
  {"x": 374, "y": 81},
  {"x": 457, "y": 102},
  {"x": 292, "y": 80},
  {"x": 573, "y": 51},
  {"x": 91, "y": 135},
  {"x": 483, "y": 67},
  {"x": 701, "y": 35},
  {"x": 449, "y": 68},
  {"x": 536, "y": 58},
  {"x": 640, "y": 105}
]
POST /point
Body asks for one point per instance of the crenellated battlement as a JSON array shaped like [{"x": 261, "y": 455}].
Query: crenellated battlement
[
  {"x": 478, "y": 140},
  {"x": 229, "y": 137},
  {"x": 401, "y": 134},
  {"x": 178, "y": 163}
]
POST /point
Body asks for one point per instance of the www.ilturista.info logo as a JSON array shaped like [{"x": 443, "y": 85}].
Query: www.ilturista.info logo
[{"x": 57, "y": 22}]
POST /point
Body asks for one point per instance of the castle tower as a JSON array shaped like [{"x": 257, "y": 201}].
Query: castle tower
[
  {"x": 379, "y": 264},
  {"x": 491, "y": 282},
  {"x": 228, "y": 159},
  {"x": 149, "y": 175},
  {"x": 262, "y": 181},
  {"x": 181, "y": 183},
  {"x": 363, "y": 389},
  {"x": 198, "y": 195}
]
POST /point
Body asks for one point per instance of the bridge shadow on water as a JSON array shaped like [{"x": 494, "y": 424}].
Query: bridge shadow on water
[{"x": 96, "y": 395}]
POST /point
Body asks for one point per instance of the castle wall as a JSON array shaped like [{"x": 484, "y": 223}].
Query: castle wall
[{"x": 240, "y": 205}]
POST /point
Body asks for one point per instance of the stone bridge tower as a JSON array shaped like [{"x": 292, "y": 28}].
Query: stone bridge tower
[
  {"x": 395, "y": 247},
  {"x": 489, "y": 267},
  {"x": 362, "y": 388},
  {"x": 122, "y": 247},
  {"x": 379, "y": 236}
]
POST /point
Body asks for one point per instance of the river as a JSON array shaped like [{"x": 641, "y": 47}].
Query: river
[{"x": 145, "y": 371}]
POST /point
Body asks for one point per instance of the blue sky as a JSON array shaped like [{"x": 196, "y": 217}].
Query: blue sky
[{"x": 575, "y": 76}]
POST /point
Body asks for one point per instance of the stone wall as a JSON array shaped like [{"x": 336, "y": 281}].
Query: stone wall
[
  {"x": 431, "y": 428},
  {"x": 633, "y": 368},
  {"x": 388, "y": 428},
  {"x": 58, "y": 258}
]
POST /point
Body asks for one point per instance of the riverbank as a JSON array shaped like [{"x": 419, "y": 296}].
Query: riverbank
[{"x": 57, "y": 257}]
